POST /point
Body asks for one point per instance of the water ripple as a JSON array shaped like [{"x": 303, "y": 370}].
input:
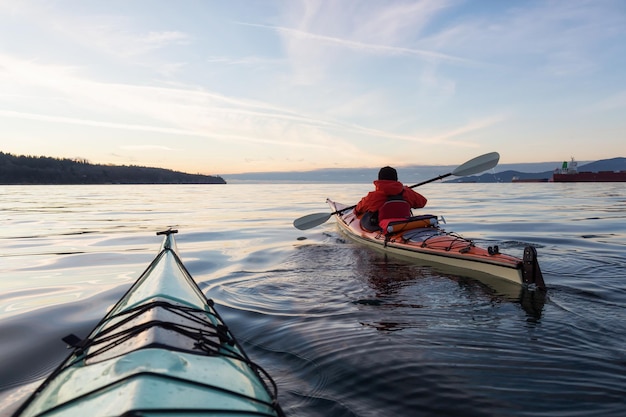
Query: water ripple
[{"x": 343, "y": 330}]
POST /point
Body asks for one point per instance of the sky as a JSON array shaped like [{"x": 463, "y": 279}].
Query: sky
[{"x": 221, "y": 87}]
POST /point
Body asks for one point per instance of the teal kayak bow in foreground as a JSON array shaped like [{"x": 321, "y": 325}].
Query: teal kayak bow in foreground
[{"x": 163, "y": 350}]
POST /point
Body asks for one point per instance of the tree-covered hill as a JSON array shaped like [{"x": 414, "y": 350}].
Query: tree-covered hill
[{"x": 46, "y": 170}]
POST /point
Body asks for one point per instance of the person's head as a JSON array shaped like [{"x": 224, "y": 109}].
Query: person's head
[{"x": 388, "y": 173}]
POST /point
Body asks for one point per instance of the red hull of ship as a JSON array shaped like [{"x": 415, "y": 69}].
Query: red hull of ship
[{"x": 602, "y": 176}]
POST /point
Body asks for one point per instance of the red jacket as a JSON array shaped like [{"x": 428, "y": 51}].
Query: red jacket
[{"x": 385, "y": 188}]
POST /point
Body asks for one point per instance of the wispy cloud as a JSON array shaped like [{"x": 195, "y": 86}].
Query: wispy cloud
[
  {"x": 114, "y": 34},
  {"x": 159, "y": 39},
  {"x": 92, "y": 123},
  {"x": 451, "y": 135},
  {"x": 148, "y": 148},
  {"x": 191, "y": 112},
  {"x": 363, "y": 47},
  {"x": 306, "y": 81},
  {"x": 350, "y": 42},
  {"x": 612, "y": 102},
  {"x": 113, "y": 40},
  {"x": 246, "y": 61},
  {"x": 546, "y": 38}
]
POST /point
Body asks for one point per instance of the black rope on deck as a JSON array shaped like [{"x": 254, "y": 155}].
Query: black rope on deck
[
  {"x": 272, "y": 405},
  {"x": 204, "y": 341},
  {"x": 112, "y": 336}
]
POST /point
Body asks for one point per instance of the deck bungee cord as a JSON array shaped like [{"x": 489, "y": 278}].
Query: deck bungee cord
[
  {"x": 426, "y": 237},
  {"x": 200, "y": 336}
]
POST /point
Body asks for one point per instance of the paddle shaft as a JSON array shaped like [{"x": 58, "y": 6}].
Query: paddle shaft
[{"x": 431, "y": 180}]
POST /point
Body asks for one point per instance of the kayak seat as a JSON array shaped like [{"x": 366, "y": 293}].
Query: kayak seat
[{"x": 394, "y": 209}]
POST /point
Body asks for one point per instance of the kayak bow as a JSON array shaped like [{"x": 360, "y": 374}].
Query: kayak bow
[
  {"x": 162, "y": 350},
  {"x": 420, "y": 239}
]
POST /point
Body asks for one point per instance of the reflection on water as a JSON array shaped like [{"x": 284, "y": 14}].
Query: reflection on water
[
  {"x": 388, "y": 276},
  {"x": 343, "y": 330}
]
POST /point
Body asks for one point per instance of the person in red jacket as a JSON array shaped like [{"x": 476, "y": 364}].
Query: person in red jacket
[{"x": 390, "y": 199}]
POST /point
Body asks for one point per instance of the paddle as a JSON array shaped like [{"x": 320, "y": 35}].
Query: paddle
[{"x": 473, "y": 166}]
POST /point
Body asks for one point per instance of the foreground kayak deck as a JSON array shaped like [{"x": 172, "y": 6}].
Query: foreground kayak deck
[
  {"x": 162, "y": 350},
  {"x": 433, "y": 245}
]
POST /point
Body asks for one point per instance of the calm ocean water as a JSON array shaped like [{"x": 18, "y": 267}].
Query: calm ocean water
[{"x": 343, "y": 331}]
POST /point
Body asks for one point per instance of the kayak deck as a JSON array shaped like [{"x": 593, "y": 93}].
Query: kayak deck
[
  {"x": 162, "y": 350},
  {"x": 433, "y": 245}
]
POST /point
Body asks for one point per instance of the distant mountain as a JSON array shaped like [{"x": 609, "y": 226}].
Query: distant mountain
[
  {"x": 613, "y": 164},
  {"x": 417, "y": 173},
  {"x": 504, "y": 176},
  {"x": 45, "y": 170},
  {"x": 339, "y": 175}
]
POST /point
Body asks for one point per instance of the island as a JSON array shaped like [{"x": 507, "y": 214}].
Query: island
[{"x": 41, "y": 170}]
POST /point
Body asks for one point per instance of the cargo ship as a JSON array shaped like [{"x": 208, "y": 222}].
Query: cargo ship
[{"x": 569, "y": 173}]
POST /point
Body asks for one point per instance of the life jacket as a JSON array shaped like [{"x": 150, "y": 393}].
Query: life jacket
[{"x": 394, "y": 208}]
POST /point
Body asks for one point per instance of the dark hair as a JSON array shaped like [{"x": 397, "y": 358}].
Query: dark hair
[{"x": 388, "y": 173}]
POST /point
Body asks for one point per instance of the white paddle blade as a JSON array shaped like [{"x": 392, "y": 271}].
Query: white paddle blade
[
  {"x": 311, "y": 220},
  {"x": 477, "y": 165}
]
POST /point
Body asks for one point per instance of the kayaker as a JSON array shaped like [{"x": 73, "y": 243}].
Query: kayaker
[{"x": 390, "y": 200}]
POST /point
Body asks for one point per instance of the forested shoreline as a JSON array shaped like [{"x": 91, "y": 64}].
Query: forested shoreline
[{"x": 43, "y": 170}]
